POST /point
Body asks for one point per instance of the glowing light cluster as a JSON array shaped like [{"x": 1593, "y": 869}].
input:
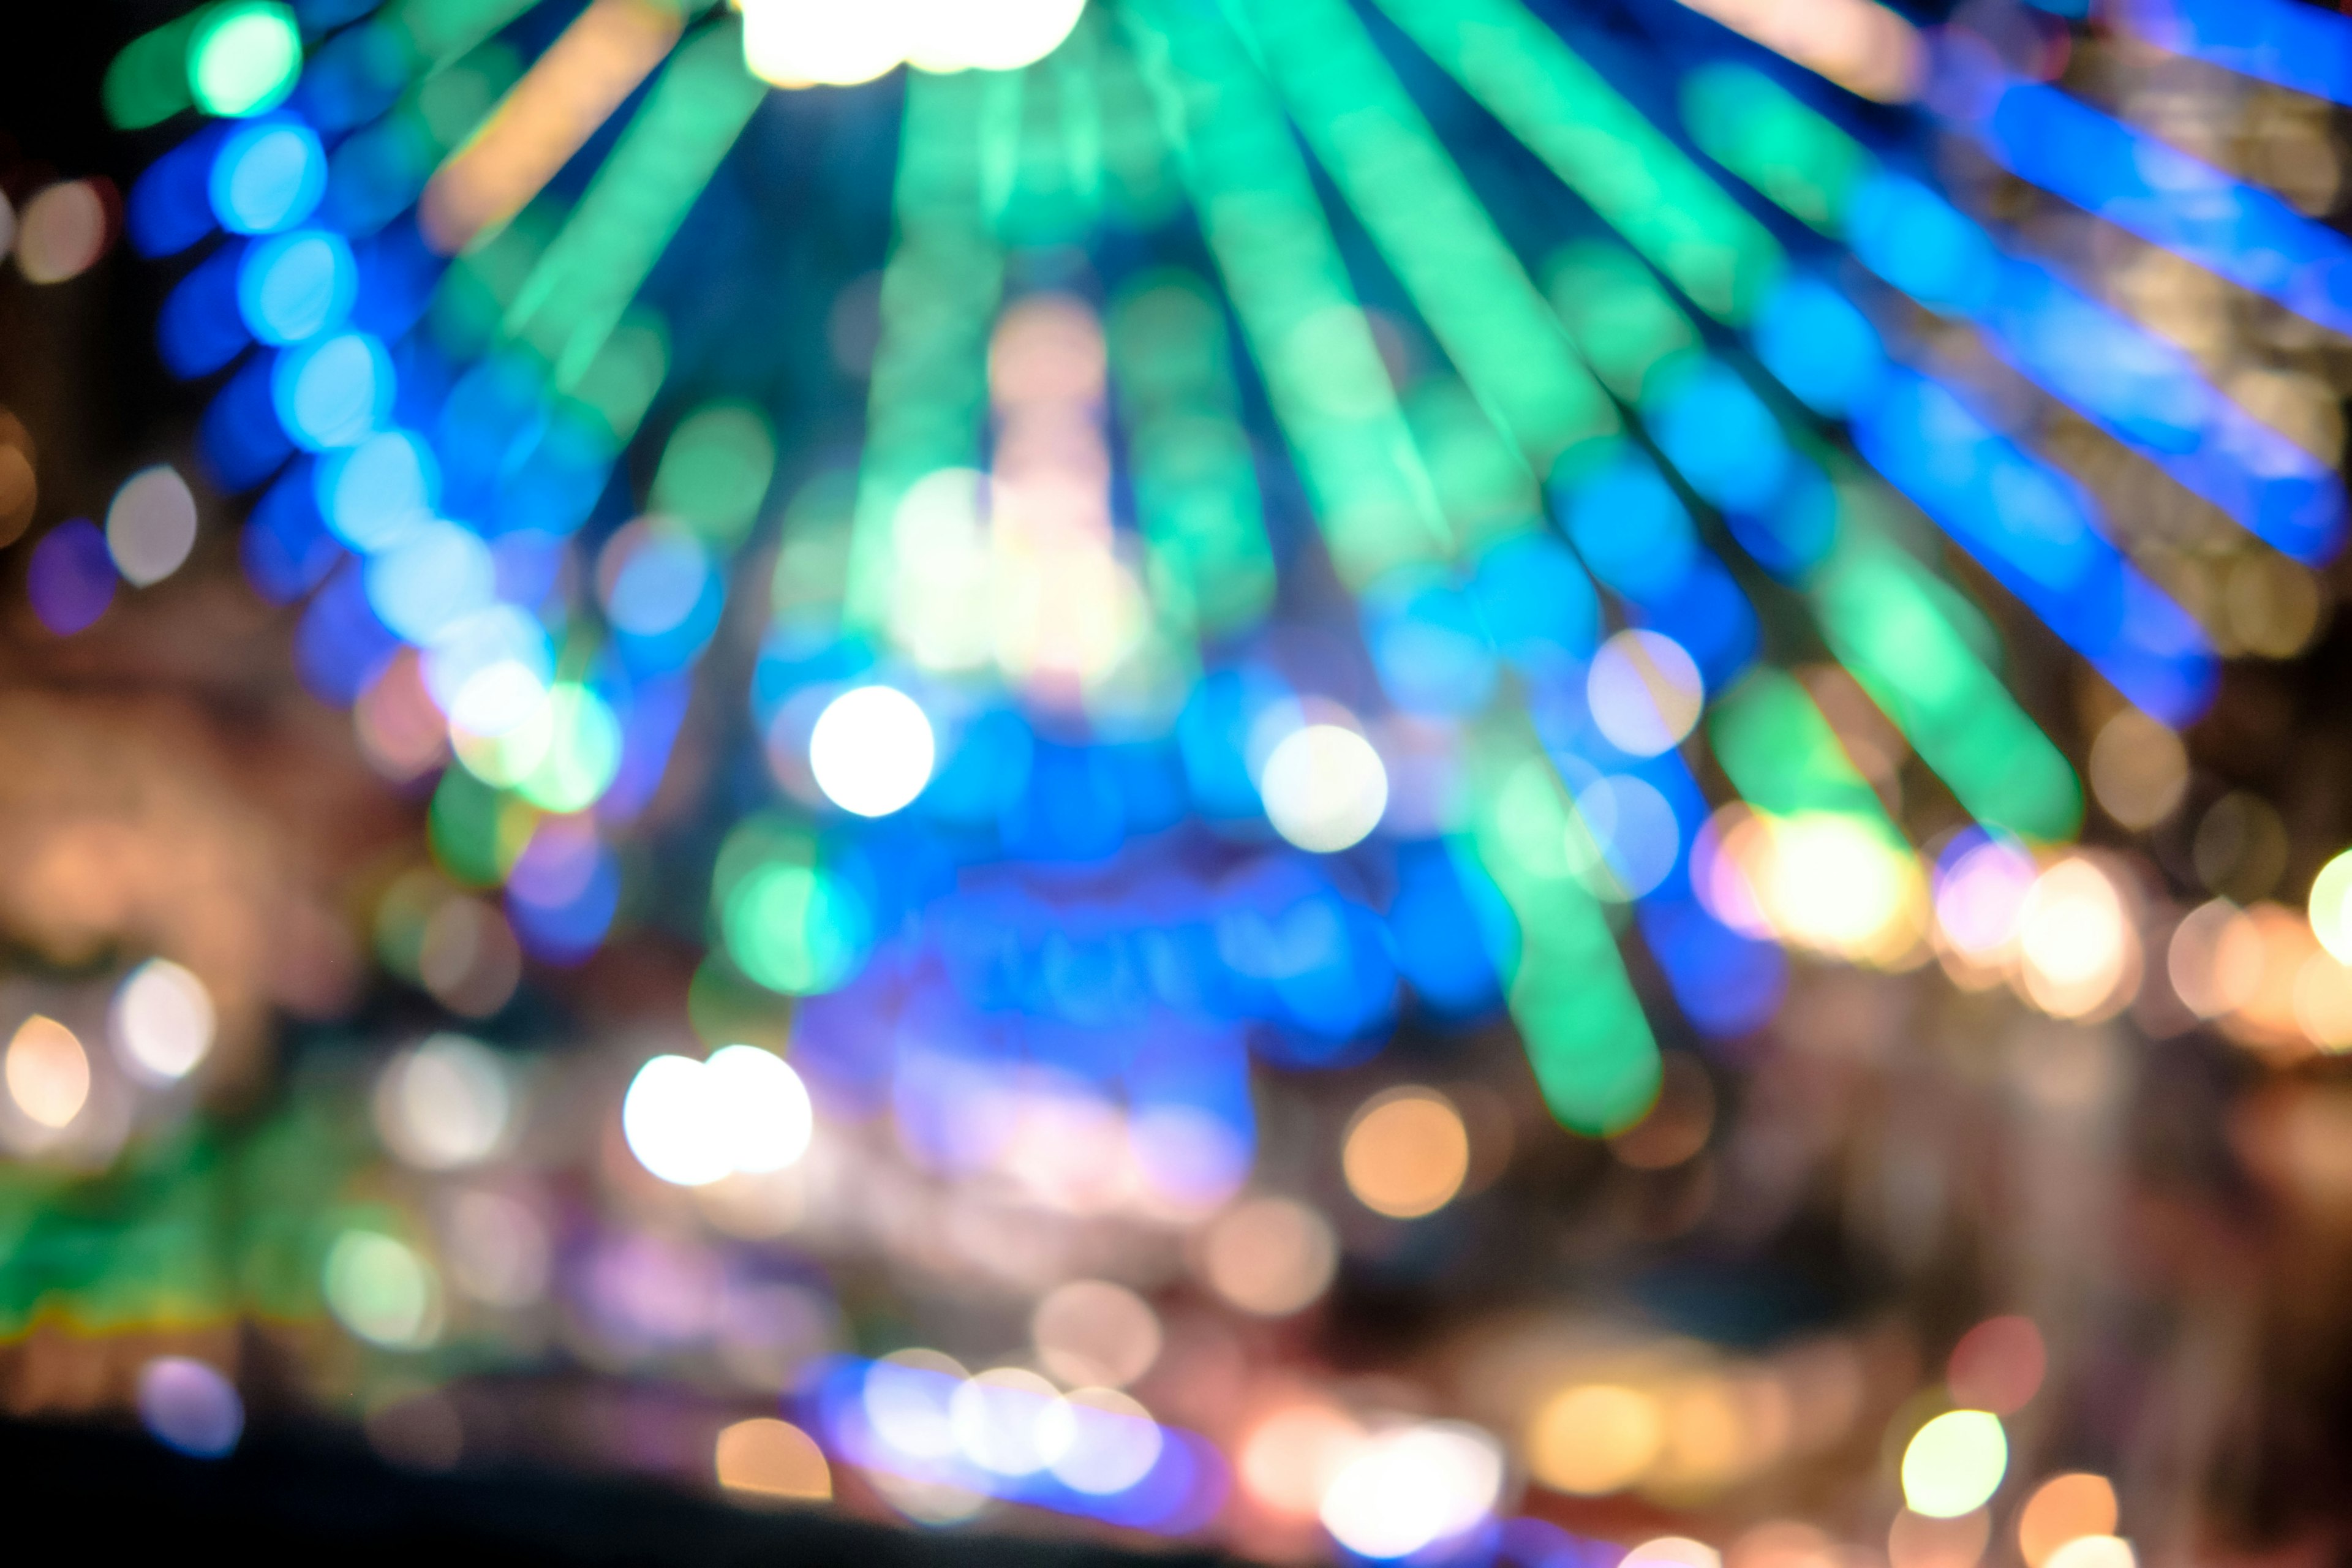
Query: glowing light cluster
[
  {"x": 692, "y": 1122},
  {"x": 802, "y": 43}
]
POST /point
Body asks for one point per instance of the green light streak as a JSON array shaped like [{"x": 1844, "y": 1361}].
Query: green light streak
[
  {"x": 1586, "y": 1037},
  {"x": 1783, "y": 756},
  {"x": 1757, "y": 129},
  {"x": 147, "y": 82},
  {"x": 1879, "y": 611},
  {"x": 583, "y": 286},
  {"x": 1196, "y": 495},
  {"x": 1485, "y": 487},
  {"x": 1601, "y": 146},
  {"x": 1275, "y": 256},
  {"x": 939, "y": 293},
  {"x": 436, "y": 32},
  {"x": 1462, "y": 275}
]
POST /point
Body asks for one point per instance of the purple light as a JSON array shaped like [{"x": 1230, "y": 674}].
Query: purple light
[{"x": 72, "y": 580}]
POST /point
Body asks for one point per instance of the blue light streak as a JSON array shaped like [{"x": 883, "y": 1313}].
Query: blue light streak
[
  {"x": 2032, "y": 528},
  {"x": 2295, "y": 46},
  {"x": 2156, "y": 191}
]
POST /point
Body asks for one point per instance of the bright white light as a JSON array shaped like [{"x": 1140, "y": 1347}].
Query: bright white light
[
  {"x": 906, "y": 1398},
  {"x": 802, "y": 43},
  {"x": 151, "y": 525},
  {"x": 1644, "y": 692},
  {"x": 443, "y": 1104},
  {"x": 769, "y": 1118},
  {"x": 999, "y": 1421},
  {"x": 872, "y": 750},
  {"x": 692, "y": 1122},
  {"x": 1409, "y": 1489},
  {"x": 986, "y": 35},
  {"x": 673, "y": 1117},
  {"x": 1954, "y": 1464},
  {"x": 1101, "y": 1440},
  {"x": 162, "y": 1020},
  {"x": 1324, "y": 787}
]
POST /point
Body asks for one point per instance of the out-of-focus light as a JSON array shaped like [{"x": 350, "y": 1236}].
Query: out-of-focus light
[
  {"x": 62, "y": 232},
  {"x": 1269, "y": 1257},
  {"x": 1918, "y": 1540},
  {"x": 1826, "y": 880},
  {"x": 1406, "y": 1153},
  {"x": 796, "y": 929},
  {"x": 1673, "y": 1551},
  {"x": 804, "y": 43},
  {"x": 2092, "y": 1551},
  {"x": 71, "y": 578},
  {"x": 1412, "y": 1489},
  {"x": 1595, "y": 1438},
  {"x": 2078, "y": 955},
  {"x": 2323, "y": 1002},
  {"x": 1676, "y": 1126},
  {"x": 380, "y": 1290},
  {"x": 1980, "y": 895},
  {"x": 266, "y": 177},
  {"x": 1101, "y": 1440},
  {"x": 162, "y": 1021},
  {"x": 1290, "y": 1457},
  {"x": 765, "y": 1458},
  {"x": 691, "y": 1123},
  {"x": 498, "y": 1250},
  {"x": 244, "y": 58},
  {"x": 373, "y": 493},
  {"x": 906, "y": 1398},
  {"x": 433, "y": 576},
  {"x": 1625, "y": 839},
  {"x": 151, "y": 525},
  {"x": 445, "y": 1104},
  {"x": 996, "y": 1417},
  {"x": 293, "y": 287},
  {"x": 669, "y": 1117},
  {"x": 188, "y": 1405},
  {"x": 1862, "y": 47},
  {"x": 1091, "y": 1332},
  {"x": 583, "y": 753},
  {"x": 1954, "y": 1464},
  {"x": 46, "y": 1072},
  {"x": 2331, "y": 907},
  {"x": 872, "y": 750},
  {"x": 333, "y": 392},
  {"x": 770, "y": 1119},
  {"x": 1324, "y": 787},
  {"x": 991, "y": 34},
  {"x": 1998, "y": 1365},
  {"x": 2062, "y": 1509},
  {"x": 570, "y": 90},
  {"x": 1644, "y": 692},
  {"x": 2214, "y": 959},
  {"x": 2138, "y": 769}
]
